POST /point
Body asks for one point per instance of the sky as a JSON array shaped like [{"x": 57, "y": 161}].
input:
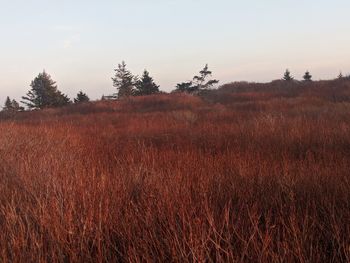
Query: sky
[{"x": 79, "y": 43}]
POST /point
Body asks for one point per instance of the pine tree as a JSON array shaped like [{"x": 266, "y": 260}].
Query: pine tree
[
  {"x": 200, "y": 83},
  {"x": 44, "y": 93},
  {"x": 81, "y": 97},
  {"x": 11, "y": 106},
  {"x": 307, "y": 76},
  {"x": 8, "y": 105},
  {"x": 15, "y": 106},
  {"x": 184, "y": 87},
  {"x": 287, "y": 76},
  {"x": 124, "y": 81},
  {"x": 146, "y": 85},
  {"x": 340, "y": 76}
]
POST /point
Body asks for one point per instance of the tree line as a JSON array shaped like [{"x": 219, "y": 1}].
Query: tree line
[{"x": 44, "y": 92}]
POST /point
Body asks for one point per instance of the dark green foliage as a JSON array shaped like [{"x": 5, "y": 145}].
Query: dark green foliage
[
  {"x": 15, "y": 106},
  {"x": 146, "y": 85},
  {"x": 81, "y": 97},
  {"x": 8, "y": 104},
  {"x": 44, "y": 93},
  {"x": 199, "y": 83},
  {"x": 340, "y": 76},
  {"x": 124, "y": 81},
  {"x": 287, "y": 76},
  {"x": 184, "y": 87},
  {"x": 11, "y": 105},
  {"x": 307, "y": 76}
]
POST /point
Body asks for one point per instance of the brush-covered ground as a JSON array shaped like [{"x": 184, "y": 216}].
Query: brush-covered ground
[{"x": 247, "y": 173}]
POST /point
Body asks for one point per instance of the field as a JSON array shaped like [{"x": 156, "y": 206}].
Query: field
[{"x": 248, "y": 173}]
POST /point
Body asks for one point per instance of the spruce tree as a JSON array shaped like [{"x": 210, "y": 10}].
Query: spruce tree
[
  {"x": 11, "y": 105},
  {"x": 184, "y": 87},
  {"x": 287, "y": 76},
  {"x": 81, "y": 97},
  {"x": 8, "y": 105},
  {"x": 146, "y": 85},
  {"x": 124, "y": 81},
  {"x": 307, "y": 76},
  {"x": 340, "y": 76},
  {"x": 15, "y": 106},
  {"x": 44, "y": 93}
]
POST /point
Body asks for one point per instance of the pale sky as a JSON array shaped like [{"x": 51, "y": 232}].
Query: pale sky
[{"x": 80, "y": 42}]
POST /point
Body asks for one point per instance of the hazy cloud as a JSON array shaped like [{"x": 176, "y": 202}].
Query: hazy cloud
[{"x": 69, "y": 42}]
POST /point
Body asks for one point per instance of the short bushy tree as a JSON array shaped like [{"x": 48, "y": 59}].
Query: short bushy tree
[
  {"x": 11, "y": 105},
  {"x": 287, "y": 76},
  {"x": 146, "y": 85},
  {"x": 16, "y": 106},
  {"x": 8, "y": 105},
  {"x": 44, "y": 93},
  {"x": 340, "y": 76},
  {"x": 184, "y": 87},
  {"x": 81, "y": 97},
  {"x": 307, "y": 76}
]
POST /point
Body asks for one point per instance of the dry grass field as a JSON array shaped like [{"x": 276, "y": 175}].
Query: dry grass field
[{"x": 248, "y": 173}]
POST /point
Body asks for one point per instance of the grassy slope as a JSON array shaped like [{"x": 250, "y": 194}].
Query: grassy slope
[{"x": 252, "y": 172}]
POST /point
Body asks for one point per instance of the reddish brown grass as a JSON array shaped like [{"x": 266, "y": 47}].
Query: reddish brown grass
[{"x": 174, "y": 178}]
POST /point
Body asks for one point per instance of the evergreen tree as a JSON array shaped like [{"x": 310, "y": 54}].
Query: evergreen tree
[
  {"x": 307, "y": 76},
  {"x": 340, "y": 76},
  {"x": 81, "y": 97},
  {"x": 184, "y": 87},
  {"x": 8, "y": 105},
  {"x": 44, "y": 93},
  {"x": 11, "y": 105},
  {"x": 124, "y": 81},
  {"x": 146, "y": 85},
  {"x": 15, "y": 106},
  {"x": 201, "y": 83},
  {"x": 287, "y": 76}
]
